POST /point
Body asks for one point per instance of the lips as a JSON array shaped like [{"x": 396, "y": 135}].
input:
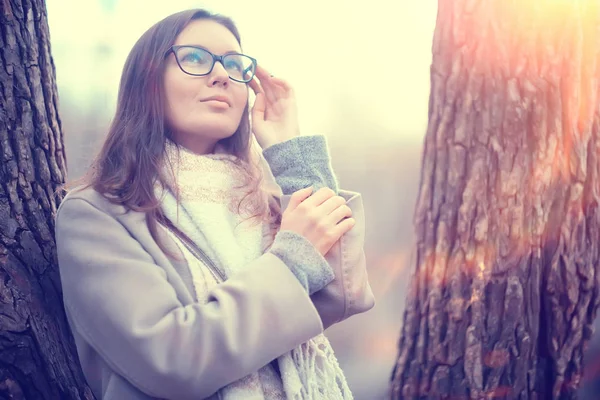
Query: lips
[{"x": 218, "y": 98}]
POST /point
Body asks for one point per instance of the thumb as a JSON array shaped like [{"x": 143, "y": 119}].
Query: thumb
[
  {"x": 299, "y": 196},
  {"x": 258, "y": 110}
]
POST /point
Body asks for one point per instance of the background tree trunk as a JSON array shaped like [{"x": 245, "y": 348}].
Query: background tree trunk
[
  {"x": 37, "y": 354},
  {"x": 506, "y": 279}
]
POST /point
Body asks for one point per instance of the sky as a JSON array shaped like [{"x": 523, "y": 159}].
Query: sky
[{"x": 361, "y": 61}]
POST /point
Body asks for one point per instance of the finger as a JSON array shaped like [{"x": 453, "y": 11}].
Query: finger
[
  {"x": 266, "y": 81},
  {"x": 269, "y": 100},
  {"x": 281, "y": 86},
  {"x": 255, "y": 85},
  {"x": 340, "y": 229},
  {"x": 261, "y": 72},
  {"x": 287, "y": 89},
  {"x": 331, "y": 205},
  {"x": 298, "y": 197},
  {"x": 319, "y": 197},
  {"x": 259, "y": 107},
  {"x": 339, "y": 214}
]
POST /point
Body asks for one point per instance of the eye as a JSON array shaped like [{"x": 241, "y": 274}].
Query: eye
[
  {"x": 233, "y": 63},
  {"x": 190, "y": 55}
]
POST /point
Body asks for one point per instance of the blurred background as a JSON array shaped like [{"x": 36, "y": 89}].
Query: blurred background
[{"x": 374, "y": 116}]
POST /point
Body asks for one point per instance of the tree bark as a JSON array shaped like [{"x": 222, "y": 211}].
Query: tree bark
[
  {"x": 506, "y": 279},
  {"x": 37, "y": 353}
]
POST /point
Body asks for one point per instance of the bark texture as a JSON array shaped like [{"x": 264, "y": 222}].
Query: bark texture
[
  {"x": 37, "y": 354},
  {"x": 506, "y": 280}
]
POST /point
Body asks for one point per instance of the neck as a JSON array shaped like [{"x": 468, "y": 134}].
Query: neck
[{"x": 196, "y": 145}]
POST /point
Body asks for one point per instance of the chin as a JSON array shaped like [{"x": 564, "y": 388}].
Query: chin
[
  {"x": 217, "y": 128},
  {"x": 222, "y": 134}
]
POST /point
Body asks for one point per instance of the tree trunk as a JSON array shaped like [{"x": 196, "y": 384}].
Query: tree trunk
[
  {"x": 506, "y": 278},
  {"x": 37, "y": 354}
]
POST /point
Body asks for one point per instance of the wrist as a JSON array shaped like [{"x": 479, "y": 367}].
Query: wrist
[
  {"x": 269, "y": 143},
  {"x": 302, "y": 258},
  {"x": 279, "y": 138}
]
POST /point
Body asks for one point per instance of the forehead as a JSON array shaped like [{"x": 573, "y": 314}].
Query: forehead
[{"x": 210, "y": 35}]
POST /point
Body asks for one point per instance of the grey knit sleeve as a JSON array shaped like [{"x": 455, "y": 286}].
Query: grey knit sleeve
[
  {"x": 301, "y": 162},
  {"x": 302, "y": 258}
]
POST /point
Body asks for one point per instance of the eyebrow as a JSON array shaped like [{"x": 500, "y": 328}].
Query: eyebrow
[{"x": 202, "y": 47}]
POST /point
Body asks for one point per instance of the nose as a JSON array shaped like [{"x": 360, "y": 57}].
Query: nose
[{"x": 219, "y": 75}]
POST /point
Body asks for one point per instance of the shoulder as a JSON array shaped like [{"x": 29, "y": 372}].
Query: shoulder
[
  {"x": 85, "y": 212},
  {"x": 88, "y": 196}
]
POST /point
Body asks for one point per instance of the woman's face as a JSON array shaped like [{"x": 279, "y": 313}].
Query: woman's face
[{"x": 198, "y": 123}]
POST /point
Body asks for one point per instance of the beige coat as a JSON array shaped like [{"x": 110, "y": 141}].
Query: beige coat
[{"x": 141, "y": 334}]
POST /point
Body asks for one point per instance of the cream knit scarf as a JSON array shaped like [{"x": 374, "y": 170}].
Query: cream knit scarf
[{"x": 208, "y": 214}]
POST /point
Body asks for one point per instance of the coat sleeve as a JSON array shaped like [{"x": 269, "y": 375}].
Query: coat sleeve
[
  {"x": 121, "y": 303},
  {"x": 304, "y": 161},
  {"x": 350, "y": 292}
]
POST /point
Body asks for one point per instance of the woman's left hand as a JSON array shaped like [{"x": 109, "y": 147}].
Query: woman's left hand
[{"x": 274, "y": 114}]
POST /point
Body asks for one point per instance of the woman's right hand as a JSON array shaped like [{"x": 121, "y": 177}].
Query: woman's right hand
[{"x": 321, "y": 218}]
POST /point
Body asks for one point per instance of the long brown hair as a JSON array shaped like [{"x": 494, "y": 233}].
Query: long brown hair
[{"x": 131, "y": 159}]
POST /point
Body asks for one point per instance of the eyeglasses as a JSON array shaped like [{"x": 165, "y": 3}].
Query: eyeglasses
[{"x": 197, "y": 61}]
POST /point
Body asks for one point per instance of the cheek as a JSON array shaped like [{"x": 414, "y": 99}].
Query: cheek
[
  {"x": 178, "y": 91},
  {"x": 241, "y": 96},
  {"x": 171, "y": 96}
]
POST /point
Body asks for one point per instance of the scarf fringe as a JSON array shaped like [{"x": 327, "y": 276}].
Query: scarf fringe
[{"x": 317, "y": 367}]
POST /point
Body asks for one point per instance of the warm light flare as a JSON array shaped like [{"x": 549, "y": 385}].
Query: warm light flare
[{"x": 394, "y": 264}]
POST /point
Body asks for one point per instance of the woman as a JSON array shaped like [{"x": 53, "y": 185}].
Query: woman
[{"x": 183, "y": 276}]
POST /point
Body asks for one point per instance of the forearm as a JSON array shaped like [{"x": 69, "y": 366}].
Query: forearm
[
  {"x": 301, "y": 162},
  {"x": 298, "y": 163}
]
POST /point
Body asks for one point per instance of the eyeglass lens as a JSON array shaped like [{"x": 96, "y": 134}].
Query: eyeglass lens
[{"x": 197, "y": 61}]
